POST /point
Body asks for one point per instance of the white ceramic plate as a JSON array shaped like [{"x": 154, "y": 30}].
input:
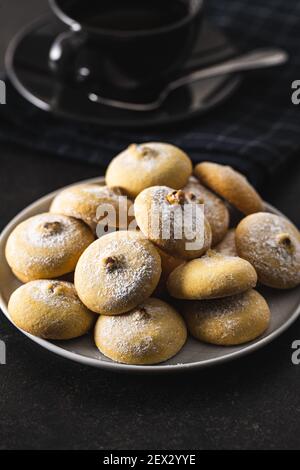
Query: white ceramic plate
[{"x": 284, "y": 305}]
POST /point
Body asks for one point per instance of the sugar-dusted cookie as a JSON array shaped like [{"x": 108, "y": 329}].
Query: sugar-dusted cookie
[
  {"x": 211, "y": 277},
  {"x": 150, "y": 164},
  {"x": 272, "y": 245},
  {"x": 90, "y": 202},
  {"x": 231, "y": 185},
  {"x": 46, "y": 246},
  {"x": 174, "y": 221},
  {"x": 227, "y": 245},
  {"x": 215, "y": 210},
  {"x": 152, "y": 332},
  {"x": 50, "y": 310},
  {"x": 230, "y": 321},
  {"x": 117, "y": 272}
]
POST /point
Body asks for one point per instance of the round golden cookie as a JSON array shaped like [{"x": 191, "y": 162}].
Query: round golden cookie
[
  {"x": 231, "y": 185},
  {"x": 89, "y": 202},
  {"x": 211, "y": 277},
  {"x": 227, "y": 246},
  {"x": 272, "y": 245},
  {"x": 151, "y": 333},
  {"x": 214, "y": 209},
  {"x": 46, "y": 246},
  {"x": 228, "y": 322},
  {"x": 150, "y": 164},
  {"x": 50, "y": 310},
  {"x": 117, "y": 272},
  {"x": 174, "y": 221}
]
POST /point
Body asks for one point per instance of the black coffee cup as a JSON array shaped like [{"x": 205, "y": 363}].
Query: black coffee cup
[{"x": 124, "y": 49}]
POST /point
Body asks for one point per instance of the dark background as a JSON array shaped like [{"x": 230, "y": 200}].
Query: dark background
[{"x": 47, "y": 402}]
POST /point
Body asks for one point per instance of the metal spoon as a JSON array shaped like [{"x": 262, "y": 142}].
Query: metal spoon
[{"x": 257, "y": 59}]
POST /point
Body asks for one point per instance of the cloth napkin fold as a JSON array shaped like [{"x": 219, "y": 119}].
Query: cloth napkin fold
[{"x": 257, "y": 130}]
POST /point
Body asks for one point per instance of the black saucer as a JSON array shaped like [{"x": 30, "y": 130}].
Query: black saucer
[{"x": 28, "y": 70}]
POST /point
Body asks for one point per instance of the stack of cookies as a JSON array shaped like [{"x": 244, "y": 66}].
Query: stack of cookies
[{"x": 172, "y": 265}]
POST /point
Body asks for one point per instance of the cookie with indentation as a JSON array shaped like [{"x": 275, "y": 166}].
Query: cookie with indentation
[
  {"x": 227, "y": 246},
  {"x": 211, "y": 277},
  {"x": 91, "y": 203},
  {"x": 117, "y": 272},
  {"x": 150, "y": 164},
  {"x": 50, "y": 310},
  {"x": 271, "y": 243},
  {"x": 151, "y": 333},
  {"x": 231, "y": 185},
  {"x": 46, "y": 246},
  {"x": 230, "y": 321},
  {"x": 214, "y": 209},
  {"x": 174, "y": 221}
]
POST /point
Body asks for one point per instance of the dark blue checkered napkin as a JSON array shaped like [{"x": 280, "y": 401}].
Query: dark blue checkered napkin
[{"x": 257, "y": 130}]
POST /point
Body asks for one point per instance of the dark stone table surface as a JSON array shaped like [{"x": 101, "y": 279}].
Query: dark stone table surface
[{"x": 47, "y": 402}]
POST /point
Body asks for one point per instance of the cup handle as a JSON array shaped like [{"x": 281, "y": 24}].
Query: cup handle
[{"x": 63, "y": 53}]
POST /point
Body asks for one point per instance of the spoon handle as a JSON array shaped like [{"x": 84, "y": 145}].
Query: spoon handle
[{"x": 259, "y": 58}]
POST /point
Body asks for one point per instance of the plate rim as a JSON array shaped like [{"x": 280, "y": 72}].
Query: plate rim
[{"x": 115, "y": 366}]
